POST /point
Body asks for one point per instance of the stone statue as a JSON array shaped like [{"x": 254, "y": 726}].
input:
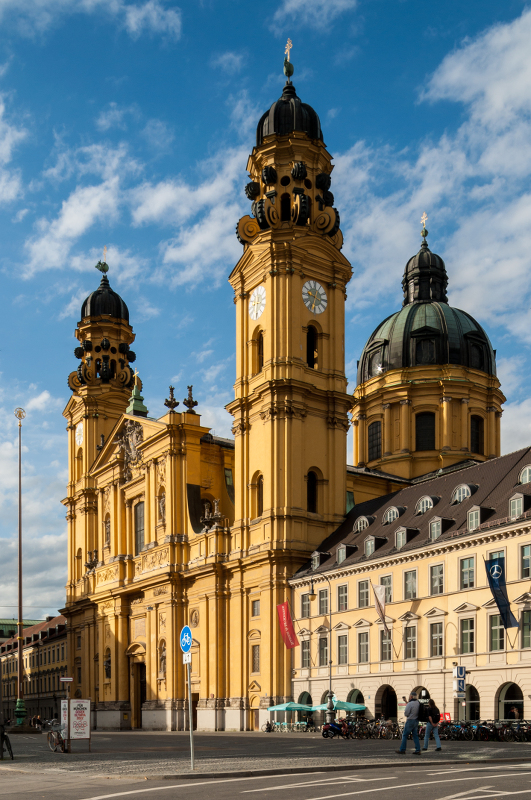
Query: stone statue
[
  {"x": 107, "y": 666},
  {"x": 128, "y": 442},
  {"x": 107, "y": 524},
  {"x": 163, "y": 659},
  {"x": 162, "y": 507}
]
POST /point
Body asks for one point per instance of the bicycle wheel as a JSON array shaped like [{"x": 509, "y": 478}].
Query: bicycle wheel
[
  {"x": 508, "y": 735},
  {"x": 264, "y": 727},
  {"x": 52, "y": 743},
  {"x": 62, "y": 744},
  {"x": 8, "y": 746}
]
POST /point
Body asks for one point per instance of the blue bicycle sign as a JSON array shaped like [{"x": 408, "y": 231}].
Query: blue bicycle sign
[{"x": 186, "y": 639}]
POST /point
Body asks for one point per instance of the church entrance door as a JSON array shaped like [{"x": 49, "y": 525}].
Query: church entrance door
[{"x": 138, "y": 694}]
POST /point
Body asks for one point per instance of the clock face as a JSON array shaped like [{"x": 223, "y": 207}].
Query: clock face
[
  {"x": 257, "y": 302},
  {"x": 79, "y": 433},
  {"x": 314, "y": 297}
]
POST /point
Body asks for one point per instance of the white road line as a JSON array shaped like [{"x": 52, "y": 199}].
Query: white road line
[
  {"x": 322, "y": 782},
  {"x": 190, "y": 784},
  {"x": 468, "y": 791},
  {"x": 407, "y": 786}
]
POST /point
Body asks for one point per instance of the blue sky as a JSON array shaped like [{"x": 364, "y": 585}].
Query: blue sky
[{"x": 128, "y": 123}]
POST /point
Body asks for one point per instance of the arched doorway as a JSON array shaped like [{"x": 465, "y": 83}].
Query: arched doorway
[
  {"x": 386, "y": 703},
  {"x": 472, "y": 703},
  {"x": 254, "y": 722},
  {"x": 355, "y": 696},
  {"x": 306, "y": 699},
  {"x": 510, "y": 696}
]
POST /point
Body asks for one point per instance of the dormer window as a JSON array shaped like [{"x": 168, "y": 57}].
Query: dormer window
[
  {"x": 516, "y": 506},
  {"x": 423, "y": 505},
  {"x": 461, "y": 493},
  {"x": 390, "y": 515},
  {"x": 525, "y": 475},
  {"x": 361, "y": 524},
  {"x": 316, "y": 560},
  {"x": 400, "y": 538},
  {"x": 473, "y": 519},
  {"x": 341, "y": 554},
  {"x": 369, "y": 546},
  {"x": 435, "y": 529}
]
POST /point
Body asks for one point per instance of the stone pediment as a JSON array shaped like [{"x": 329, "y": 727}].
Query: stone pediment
[
  {"x": 254, "y": 634},
  {"x": 321, "y": 629},
  {"x": 362, "y": 623},
  {"x": 435, "y": 612},
  {"x": 524, "y": 598},
  {"x": 126, "y": 439},
  {"x": 490, "y": 604},
  {"x": 465, "y": 607},
  {"x": 255, "y": 687},
  {"x": 304, "y": 632},
  {"x": 409, "y": 616},
  {"x": 388, "y": 621},
  {"x": 341, "y": 626}
]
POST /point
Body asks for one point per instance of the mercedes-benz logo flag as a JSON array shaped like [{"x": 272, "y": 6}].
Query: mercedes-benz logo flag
[{"x": 496, "y": 576}]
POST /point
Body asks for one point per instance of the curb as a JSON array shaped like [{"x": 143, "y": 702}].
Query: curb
[{"x": 264, "y": 773}]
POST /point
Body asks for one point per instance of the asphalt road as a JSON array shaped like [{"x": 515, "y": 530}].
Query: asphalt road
[{"x": 416, "y": 781}]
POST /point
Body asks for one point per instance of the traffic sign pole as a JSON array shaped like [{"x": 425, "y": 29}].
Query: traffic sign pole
[{"x": 185, "y": 640}]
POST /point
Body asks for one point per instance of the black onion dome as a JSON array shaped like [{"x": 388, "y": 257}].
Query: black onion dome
[
  {"x": 426, "y": 330},
  {"x": 289, "y": 114},
  {"x": 104, "y": 302}
]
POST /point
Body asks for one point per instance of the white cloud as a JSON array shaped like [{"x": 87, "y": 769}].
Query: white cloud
[
  {"x": 43, "y": 403},
  {"x": 228, "y": 62},
  {"x": 113, "y": 116},
  {"x": 158, "y": 134},
  {"x": 35, "y": 16},
  {"x": 316, "y": 13},
  {"x": 10, "y": 138},
  {"x": 202, "y": 355}
]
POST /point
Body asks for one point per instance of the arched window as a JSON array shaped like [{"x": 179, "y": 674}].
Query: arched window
[
  {"x": 423, "y": 505},
  {"x": 361, "y": 524},
  {"x": 311, "y": 492},
  {"x": 285, "y": 208},
  {"x": 260, "y": 351},
  {"x": 260, "y": 496},
  {"x": 525, "y": 475},
  {"x": 375, "y": 364},
  {"x": 139, "y": 527},
  {"x": 425, "y": 431},
  {"x": 375, "y": 440},
  {"x": 476, "y": 434},
  {"x": 390, "y": 515},
  {"x": 312, "y": 347},
  {"x": 461, "y": 493}
]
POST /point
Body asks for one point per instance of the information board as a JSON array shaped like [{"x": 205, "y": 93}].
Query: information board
[
  {"x": 64, "y": 717},
  {"x": 79, "y": 719}
]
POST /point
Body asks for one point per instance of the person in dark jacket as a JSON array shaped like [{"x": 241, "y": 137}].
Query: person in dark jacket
[{"x": 432, "y": 725}]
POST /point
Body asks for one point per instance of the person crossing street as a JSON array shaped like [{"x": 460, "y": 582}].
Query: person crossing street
[{"x": 411, "y": 713}]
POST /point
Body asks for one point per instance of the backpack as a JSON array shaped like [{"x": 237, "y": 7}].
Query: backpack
[{"x": 435, "y": 715}]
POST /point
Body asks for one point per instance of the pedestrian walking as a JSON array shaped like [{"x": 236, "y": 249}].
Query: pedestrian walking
[
  {"x": 411, "y": 712},
  {"x": 432, "y": 724}
]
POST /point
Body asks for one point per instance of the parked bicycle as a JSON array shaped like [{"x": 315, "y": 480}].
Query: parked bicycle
[{"x": 55, "y": 738}]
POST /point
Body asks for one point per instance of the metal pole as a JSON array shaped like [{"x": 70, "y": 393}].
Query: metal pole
[
  {"x": 20, "y": 710},
  {"x": 330, "y": 711},
  {"x": 190, "y": 717}
]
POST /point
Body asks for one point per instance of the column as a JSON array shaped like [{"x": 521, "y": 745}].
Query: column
[
  {"x": 148, "y": 519},
  {"x": 498, "y": 442},
  {"x": 362, "y": 436},
  {"x": 491, "y": 436},
  {"x": 447, "y": 423},
  {"x": 464, "y": 424},
  {"x": 149, "y": 660},
  {"x": 129, "y": 533},
  {"x": 387, "y": 433},
  {"x": 404, "y": 426},
  {"x": 355, "y": 447}
]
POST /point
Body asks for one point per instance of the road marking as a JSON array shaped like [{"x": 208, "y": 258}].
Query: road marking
[
  {"x": 322, "y": 782},
  {"x": 408, "y": 786},
  {"x": 468, "y": 791},
  {"x": 189, "y": 785}
]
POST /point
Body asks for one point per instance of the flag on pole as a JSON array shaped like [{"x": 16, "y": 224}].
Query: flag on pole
[
  {"x": 286, "y": 626},
  {"x": 379, "y": 602},
  {"x": 496, "y": 576}
]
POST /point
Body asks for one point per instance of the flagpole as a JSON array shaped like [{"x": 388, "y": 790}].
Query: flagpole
[{"x": 383, "y": 620}]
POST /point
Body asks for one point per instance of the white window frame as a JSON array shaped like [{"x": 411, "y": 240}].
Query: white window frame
[
  {"x": 393, "y": 512},
  {"x": 462, "y": 618},
  {"x": 400, "y": 533},
  {"x": 362, "y": 523},
  {"x": 322, "y": 598},
  {"x": 368, "y": 659},
  {"x": 431, "y": 567},
  {"x": 473, "y": 518},
  {"x": 406, "y": 572},
  {"x": 339, "y": 635},
  {"x": 423, "y": 505},
  {"x": 381, "y": 635},
  {"x": 441, "y": 623},
  {"x": 516, "y": 498},
  {"x": 342, "y": 586},
  {"x": 521, "y": 570},
  {"x": 368, "y": 593},
  {"x": 462, "y": 488},
  {"x": 369, "y": 546},
  {"x": 390, "y": 587},
  {"x": 504, "y": 648},
  {"x": 436, "y": 521},
  {"x": 460, "y": 567},
  {"x": 527, "y": 469},
  {"x": 341, "y": 554},
  {"x": 406, "y": 629}
]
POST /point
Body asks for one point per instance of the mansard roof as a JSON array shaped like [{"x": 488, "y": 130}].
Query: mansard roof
[{"x": 496, "y": 481}]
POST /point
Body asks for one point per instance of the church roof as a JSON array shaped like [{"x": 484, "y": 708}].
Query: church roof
[{"x": 288, "y": 114}]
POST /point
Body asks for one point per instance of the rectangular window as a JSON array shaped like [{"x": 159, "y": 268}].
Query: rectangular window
[
  {"x": 400, "y": 539},
  {"x": 305, "y": 605},
  {"x": 375, "y": 440},
  {"x": 435, "y": 529},
  {"x": 369, "y": 547},
  {"x": 437, "y": 579},
  {"x": 526, "y": 629},
  {"x": 79, "y": 675},
  {"x": 387, "y": 581},
  {"x": 256, "y": 658},
  {"x": 473, "y": 520},
  {"x": 323, "y": 651},
  {"x": 497, "y": 554},
  {"x": 342, "y": 650},
  {"x": 497, "y": 633},
  {"x": 467, "y": 635},
  {"x": 341, "y": 555},
  {"x": 256, "y": 608},
  {"x": 436, "y": 639},
  {"x": 323, "y": 601},
  {"x": 385, "y": 646},
  {"x": 342, "y": 598},
  {"x": 466, "y": 580},
  {"x": 228, "y": 477},
  {"x": 526, "y": 561},
  {"x": 410, "y": 585},
  {"x": 363, "y": 648},
  {"x": 305, "y": 655},
  {"x": 363, "y": 594},
  {"x": 139, "y": 528},
  {"x": 516, "y": 507},
  {"x": 411, "y": 642},
  {"x": 350, "y": 501}
]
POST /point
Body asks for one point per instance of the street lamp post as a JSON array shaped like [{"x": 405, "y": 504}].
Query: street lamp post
[
  {"x": 330, "y": 710},
  {"x": 20, "y": 708}
]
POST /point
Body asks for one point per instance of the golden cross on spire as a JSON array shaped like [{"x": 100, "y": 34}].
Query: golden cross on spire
[
  {"x": 135, "y": 373},
  {"x": 288, "y": 48},
  {"x": 424, "y": 219},
  {"x": 105, "y": 254}
]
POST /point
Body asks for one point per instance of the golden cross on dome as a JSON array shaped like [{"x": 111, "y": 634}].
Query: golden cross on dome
[
  {"x": 135, "y": 374},
  {"x": 105, "y": 254},
  {"x": 424, "y": 219},
  {"x": 288, "y": 48}
]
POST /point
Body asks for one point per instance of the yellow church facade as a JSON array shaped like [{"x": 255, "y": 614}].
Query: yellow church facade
[{"x": 170, "y": 525}]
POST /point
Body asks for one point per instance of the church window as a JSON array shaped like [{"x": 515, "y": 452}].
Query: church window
[
  {"x": 139, "y": 527},
  {"x": 311, "y": 492},
  {"x": 255, "y": 608},
  {"x": 476, "y": 357},
  {"x": 424, "y": 504},
  {"x": 312, "y": 347},
  {"x": 476, "y": 434},
  {"x": 375, "y": 440},
  {"x": 350, "y": 501},
  {"x": 425, "y": 351},
  {"x": 260, "y": 496},
  {"x": 525, "y": 475},
  {"x": 425, "y": 431},
  {"x": 361, "y": 524},
  {"x": 390, "y": 515},
  {"x": 260, "y": 351},
  {"x": 461, "y": 493},
  {"x": 285, "y": 208},
  {"x": 256, "y": 658}
]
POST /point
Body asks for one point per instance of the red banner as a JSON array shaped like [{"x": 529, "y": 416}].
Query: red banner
[{"x": 286, "y": 626}]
